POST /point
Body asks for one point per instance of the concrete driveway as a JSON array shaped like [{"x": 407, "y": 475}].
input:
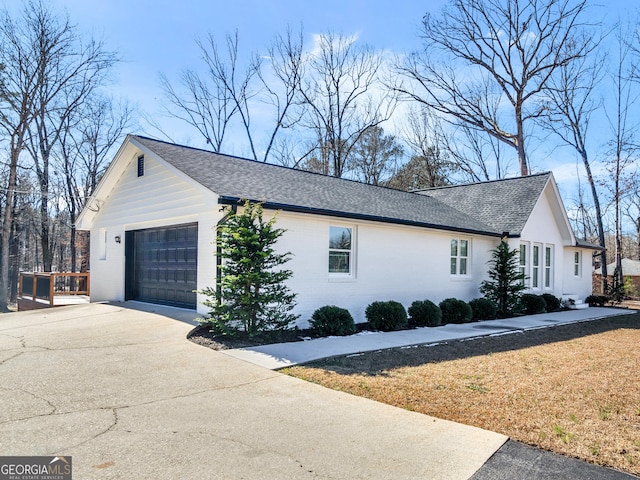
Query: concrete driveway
[{"x": 125, "y": 394}]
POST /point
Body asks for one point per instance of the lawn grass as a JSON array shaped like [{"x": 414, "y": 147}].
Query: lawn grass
[{"x": 574, "y": 390}]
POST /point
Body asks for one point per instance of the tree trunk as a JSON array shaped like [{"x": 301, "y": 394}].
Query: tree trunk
[
  {"x": 596, "y": 204},
  {"x": 6, "y": 231},
  {"x": 519, "y": 143}
]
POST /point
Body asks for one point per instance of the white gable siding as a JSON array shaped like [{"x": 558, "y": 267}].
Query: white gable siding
[
  {"x": 398, "y": 263},
  {"x": 546, "y": 227},
  {"x": 155, "y": 199}
]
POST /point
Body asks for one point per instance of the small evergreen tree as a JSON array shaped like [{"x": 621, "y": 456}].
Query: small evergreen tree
[
  {"x": 251, "y": 294},
  {"x": 506, "y": 283}
]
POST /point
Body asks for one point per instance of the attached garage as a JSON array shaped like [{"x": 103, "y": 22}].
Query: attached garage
[{"x": 161, "y": 265}]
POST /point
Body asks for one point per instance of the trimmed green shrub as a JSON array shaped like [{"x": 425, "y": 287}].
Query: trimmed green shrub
[
  {"x": 455, "y": 311},
  {"x": 596, "y": 300},
  {"x": 332, "y": 320},
  {"x": 386, "y": 316},
  {"x": 483, "y": 309},
  {"x": 424, "y": 313},
  {"x": 552, "y": 302},
  {"x": 533, "y": 304}
]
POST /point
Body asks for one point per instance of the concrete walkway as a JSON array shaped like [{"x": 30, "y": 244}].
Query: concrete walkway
[
  {"x": 287, "y": 354},
  {"x": 125, "y": 394}
]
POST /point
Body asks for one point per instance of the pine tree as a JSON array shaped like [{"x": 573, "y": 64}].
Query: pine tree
[
  {"x": 251, "y": 295},
  {"x": 506, "y": 283}
]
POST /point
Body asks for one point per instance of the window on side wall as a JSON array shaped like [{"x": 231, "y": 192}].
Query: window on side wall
[
  {"x": 459, "y": 256},
  {"x": 524, "y": 263},
  {"x": 548, "y": 266},
  {"x": 340, "y": 250},
  {"x": 577, "y": 264},
  {"x": 535, "y": 267},
  {"x": 102, "y": 241}
]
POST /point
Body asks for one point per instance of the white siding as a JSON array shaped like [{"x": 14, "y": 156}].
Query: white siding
[
  {"x": 392, "y": 263},
  {"x": 157, "y": 198},
  {"x": 546, "y": 228}
]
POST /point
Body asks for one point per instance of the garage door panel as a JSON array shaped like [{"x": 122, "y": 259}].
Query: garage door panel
[{"x": 162, "y": 265}]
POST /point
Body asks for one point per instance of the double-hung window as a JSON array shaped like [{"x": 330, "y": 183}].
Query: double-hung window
[
  {"x": 548, "y": 267},
  {"x": 524, "y": 262},
  {"x": 577, "y": 264},
  {"x": 341, "y": 250},
  {"x": 535, "y": 268},
  {"x": 459, "y": 256}
]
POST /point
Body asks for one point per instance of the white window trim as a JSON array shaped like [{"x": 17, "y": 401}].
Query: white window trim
[
  {"x": 458, "y": 257},
  {"x": 577, "y": 255},
  {"x": 537, "y": 270},
  {"x": 102, "y": 242},
  {"x": 343, "y": 276},
  {"x": 548, "y": 276},
  {"x": 524, "y": 268}
]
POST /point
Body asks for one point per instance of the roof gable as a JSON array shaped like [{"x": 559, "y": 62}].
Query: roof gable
[{"x": 505, "y": 205}]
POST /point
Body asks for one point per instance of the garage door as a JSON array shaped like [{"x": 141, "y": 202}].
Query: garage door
[{"x": 162, "y": 264}]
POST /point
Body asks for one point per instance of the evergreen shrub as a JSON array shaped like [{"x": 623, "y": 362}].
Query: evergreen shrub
[
  {"x": 552, "y": 302},
  {"x": 455, "y": 311},
  {"x": 533, "y": 304},
  {"x": 386, "y": 316},
  {"x": 332, "y": 320},
  {"x": 483, "y": 309},
  {"x": 424, "y": 313}
]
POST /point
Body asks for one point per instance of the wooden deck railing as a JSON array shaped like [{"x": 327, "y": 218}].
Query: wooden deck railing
[{"x": 47, "y": 285}]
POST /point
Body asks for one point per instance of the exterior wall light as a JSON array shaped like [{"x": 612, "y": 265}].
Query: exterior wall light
[{"x": 118, "y": 239}]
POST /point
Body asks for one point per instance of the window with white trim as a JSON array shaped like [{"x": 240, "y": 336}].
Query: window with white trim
[
  {"x": 548, "y": 266},
  {"x": 577, "y": 264},
  {"x": 459, "y": 256},
  {"x": 535, "y": 267},
  {"x": 341, "y": 250},
  {"x": 102, "y": 241},
  {"x": 524, "y": 263}
]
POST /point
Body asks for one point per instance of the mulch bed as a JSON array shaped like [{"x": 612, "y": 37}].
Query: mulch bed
[{"x": 202, "y": 336}]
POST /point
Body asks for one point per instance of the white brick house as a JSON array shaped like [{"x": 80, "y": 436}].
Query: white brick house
[{"x": 153, "y": 219}]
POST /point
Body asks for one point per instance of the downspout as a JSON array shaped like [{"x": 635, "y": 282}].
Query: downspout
[{"x": 221, "y": 222}]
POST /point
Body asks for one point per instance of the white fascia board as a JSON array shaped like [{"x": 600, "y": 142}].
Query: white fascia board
[
  {"x": 114, "y": 171},
  {"x": 551, "y": 183},
  {"x": 127, "y": 152}
]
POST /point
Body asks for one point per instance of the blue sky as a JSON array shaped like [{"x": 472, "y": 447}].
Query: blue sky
[{"x": 154, "y": 36}]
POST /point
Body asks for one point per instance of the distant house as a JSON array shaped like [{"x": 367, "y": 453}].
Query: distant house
[
  {"x": 153, "y": 223},
  {"x": 630, "y": 273}
]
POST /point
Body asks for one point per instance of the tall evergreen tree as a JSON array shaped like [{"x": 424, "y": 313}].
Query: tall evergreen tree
[
  {"x": 506, "y": 283},
  {"x": 251, "y": 295}
]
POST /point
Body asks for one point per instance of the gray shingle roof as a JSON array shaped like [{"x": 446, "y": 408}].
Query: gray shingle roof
[
  {"x": 485, "y": 210},
  {"x": 504, "y": 205}
]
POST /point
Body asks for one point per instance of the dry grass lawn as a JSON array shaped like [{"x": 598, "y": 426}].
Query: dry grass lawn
[{"x": 574, "y": 390}]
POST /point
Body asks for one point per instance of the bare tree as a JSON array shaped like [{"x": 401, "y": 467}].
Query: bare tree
[
  {"x": 69, "y": 69},
  {"x": 19, "y": 67},
  {"x": 83, "y": 153},
  {"x": 479, "y": 52},
  {"x": 430, "y": 164},
  {"x": 623, "y": 146},
  {"x": 572, "y": 101},
  {"x": 343, "y": 97},
  {"x": 631, "y": 211},
  {"x": 374, "y": 156},
  {"x": 212, "y": 102}
]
